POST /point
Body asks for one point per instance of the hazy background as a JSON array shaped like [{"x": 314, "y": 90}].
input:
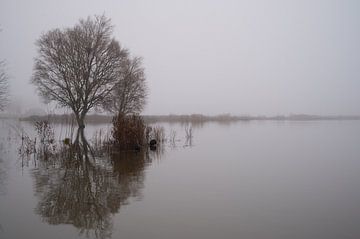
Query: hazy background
[{"x": 242, "y": 57}]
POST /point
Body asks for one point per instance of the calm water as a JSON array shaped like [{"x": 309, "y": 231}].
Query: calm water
[{"x": 244, "y": 180}]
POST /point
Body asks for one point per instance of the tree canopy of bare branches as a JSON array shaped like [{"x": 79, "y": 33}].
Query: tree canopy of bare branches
[
  {"x": 4, "y": 86},
  {"x": 79, "y": 67},
  {"x": 130, "y": 92}
]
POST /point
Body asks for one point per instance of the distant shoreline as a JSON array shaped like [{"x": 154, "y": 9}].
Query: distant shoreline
[{"x": 193, "y": 118}]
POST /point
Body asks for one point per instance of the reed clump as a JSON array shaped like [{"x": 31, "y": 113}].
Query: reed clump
[{"x": 128, "y": 132}]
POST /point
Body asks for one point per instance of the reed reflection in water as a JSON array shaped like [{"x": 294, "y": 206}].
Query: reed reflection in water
[{"x": 76, "y": 187}]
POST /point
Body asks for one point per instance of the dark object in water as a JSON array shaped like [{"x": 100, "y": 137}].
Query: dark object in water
[
  {"x": 66, "y": 141},
  {"x": 153, "y": 144}
]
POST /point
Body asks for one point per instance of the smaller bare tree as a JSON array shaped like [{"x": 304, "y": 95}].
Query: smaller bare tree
[
  {"x": 4, "y": 86},
  {"x": 129, "y": 94}
]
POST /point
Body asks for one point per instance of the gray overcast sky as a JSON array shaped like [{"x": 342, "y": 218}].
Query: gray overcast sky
[{"x": 240, "y": 57}]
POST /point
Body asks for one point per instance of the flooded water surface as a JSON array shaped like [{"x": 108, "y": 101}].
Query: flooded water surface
[{"x": 258, "y": 179}]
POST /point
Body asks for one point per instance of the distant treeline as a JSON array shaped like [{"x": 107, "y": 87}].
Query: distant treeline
[
  {"x": 199, "y": 118},
  {"x": 193, "y": 118},
  {"x": 68, "y": 118}
]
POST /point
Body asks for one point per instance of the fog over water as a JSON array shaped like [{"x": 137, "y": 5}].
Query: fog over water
[
  {"x": 257, "y": 179},
  {"x": 210, "y": 57}
]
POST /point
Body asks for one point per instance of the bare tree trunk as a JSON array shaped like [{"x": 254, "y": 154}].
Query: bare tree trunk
[{"x": 80, "y": 119}]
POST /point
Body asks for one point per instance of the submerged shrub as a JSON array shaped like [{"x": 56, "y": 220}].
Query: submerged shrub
[
  {"x": 128, "y": 132},
  {"x": 45, "y": 132},
  {"x": 46, "y": 136},
  {"x": 27, "y": 147}
]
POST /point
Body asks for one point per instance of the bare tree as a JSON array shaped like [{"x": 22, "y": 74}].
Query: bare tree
[
  {"x": 4, "y": 86},
  {"x": 130, "y": 92},
  {"x": 79, "y": 67}
]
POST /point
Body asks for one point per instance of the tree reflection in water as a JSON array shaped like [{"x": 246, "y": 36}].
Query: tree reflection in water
[{"x": 75, "y": 187}]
